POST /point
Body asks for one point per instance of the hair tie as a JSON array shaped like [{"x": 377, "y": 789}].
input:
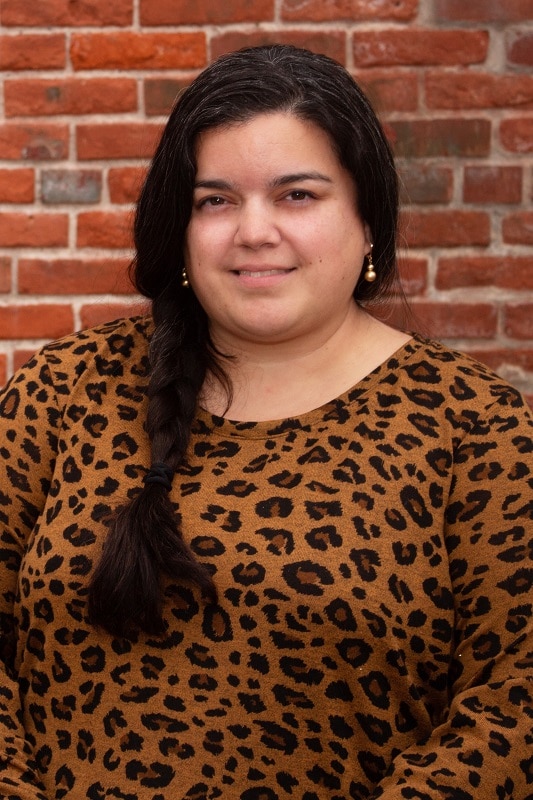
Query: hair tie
[{"x": 160, "y": 473}]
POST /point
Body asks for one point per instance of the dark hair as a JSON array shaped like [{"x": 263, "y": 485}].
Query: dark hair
[{"x": 144, "y": 539}]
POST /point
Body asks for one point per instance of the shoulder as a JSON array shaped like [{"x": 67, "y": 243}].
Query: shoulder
[
  {"x": 114, "y": 349},
  {"x": 456, "y": 378}
]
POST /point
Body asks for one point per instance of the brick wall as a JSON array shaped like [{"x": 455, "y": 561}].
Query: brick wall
[{"x": 85, "y": 88}]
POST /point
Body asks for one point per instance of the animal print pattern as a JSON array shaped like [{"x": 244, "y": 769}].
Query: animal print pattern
[{"x": 373, "y": 558}]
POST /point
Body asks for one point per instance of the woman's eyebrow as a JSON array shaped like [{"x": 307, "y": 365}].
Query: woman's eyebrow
[
  {"x": 282, "y": 180},
  {"x": 297, "y": 177}
]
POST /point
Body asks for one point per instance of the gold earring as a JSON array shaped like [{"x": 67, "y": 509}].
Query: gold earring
[
  {"x": 184, "y": 279},
  {"x": 370, "y": 274}
]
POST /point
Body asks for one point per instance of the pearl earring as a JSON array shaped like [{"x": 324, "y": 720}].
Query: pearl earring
[{"x": 370, "y": 274}]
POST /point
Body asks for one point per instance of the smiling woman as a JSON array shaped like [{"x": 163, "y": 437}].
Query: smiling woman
[
  {"x": 274, "y": 248},
  {"x": 258, "y": 545}
]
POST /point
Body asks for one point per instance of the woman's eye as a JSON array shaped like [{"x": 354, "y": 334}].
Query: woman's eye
[
  {"x": 299, "y": 194},
  {"x": 215, "y": 200}
]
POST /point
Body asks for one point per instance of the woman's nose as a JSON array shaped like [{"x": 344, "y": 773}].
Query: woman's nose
[{"x": 256, "y": 226}]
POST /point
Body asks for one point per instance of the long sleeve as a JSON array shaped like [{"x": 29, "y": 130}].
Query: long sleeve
[
  {"x": 484, "y": 747},
  {"x": 29, "y": 420}
]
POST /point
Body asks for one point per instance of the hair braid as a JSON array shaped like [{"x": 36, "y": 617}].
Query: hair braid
[{"x": 144, "y": 539}]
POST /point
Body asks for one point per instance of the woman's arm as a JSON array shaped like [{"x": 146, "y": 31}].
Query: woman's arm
[
  {"x": 29, "y": 424},
  {"x": 484, "y": 748}
]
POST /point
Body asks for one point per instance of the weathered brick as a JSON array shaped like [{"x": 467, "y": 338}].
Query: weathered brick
[
  {"x": 516, "y": 135},
  {"x": 117, "y": 140},
  {"x": 5, "y": 274},
  {"x": 427, "y": 138},
  {"x": 425, "y": 183},
  {"x": 326, "y": 10},
  {"x": 485, "y": 11},
  {"x": 204, "y": 12},
  {"x": 32, "y": 51},
  {"x": 33, "y": 142},
  {"x": 62, "y": 13},
  {"x": 445, "y": 228},
  {"x": 520, "y": 48},
  {"x": 505, "y": 272},
  {"x": 125, "y": 183},
  {"x": 478, "y": 90},
  {"x": 388, "y": 91},
  {"x": 36, "y": 321},
  {"x": 517, "y": 228},
  {"x": 492, "y": 185},
  {"x": 97, "y": 313},
  {"x": 160, "y": 94},
  {"x": 74, "y": 276},
  {"x": 69, "y": 96},
  {"x": 108, "y": 229},
  {"x": 518, "y": 320},
  {"x": 17, "y": 185},
  {"x": 33, "y": 230},
  {"x": 418, "y": 46},
  {"x": 132, "y": 50},
  {"x": 457, "y": 321},
  {"x": 331, "y": 43},
  {"x": 71, "y": 186}
]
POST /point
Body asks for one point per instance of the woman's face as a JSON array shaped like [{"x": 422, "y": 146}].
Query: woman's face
[{"x": 275, "y": 245}]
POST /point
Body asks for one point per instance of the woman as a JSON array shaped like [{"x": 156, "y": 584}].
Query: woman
[{"x": 260, "y": 545}]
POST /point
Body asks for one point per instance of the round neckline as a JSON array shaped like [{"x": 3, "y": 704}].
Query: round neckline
[{"x": 331, "y": 409}]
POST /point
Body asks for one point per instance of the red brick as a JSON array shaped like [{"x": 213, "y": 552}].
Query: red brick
[
  {"x": 503, "y": 272},
  {"x": 492, "y": 185},
  {"x": 3, "y": 369},
  {"x": 61, "y": 13},
  {"x": 518, "y": 228},
  {"x": 160, "y": 94},
  {"x": 425, "y": 183},
  {"x": 117, "y": 140},
  {"x": 74, "y": 276},
  {"x": 413, "y": 275},
  {"x": 418, "y": 47},
  {"x": 445, "y": 228},
  {"x": 17, "y": 185},
  {"x": 131, "y": 50},
  {"x": 33, "y": 230},
  {"x": 457, "y": 320},
  {"x": 21, "y": 357},
  {"x": 518, "y": 321},
  {"x": 516, "y": 135},
  {"x": 429, "y": 138},
  {"x": 69, "y": 96},
  {"x": 97, "y": 313},
  {"x": 5, "y": 274},
  {"x": 389, "y": 91},
  {"x": 478, "y": 90},
  {"x": 351, "y": 10},
  {"x": 125, "y": 183},
  {"x": 483, "y": 10},
  {"x": 32, "y": 51},
  {"x": 498, "y": 358},
  {"x": 42, "y": 321},
  {"x": 520, "y": 48},
  {"x": 331, "y": 43},
  {"x": 33, "y": 142},
  {"x": 205, "y": 12},
  {"x": 109, "y": 229}
]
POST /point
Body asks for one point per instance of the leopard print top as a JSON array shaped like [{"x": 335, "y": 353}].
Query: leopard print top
[{"x": 374, "y": 566}]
